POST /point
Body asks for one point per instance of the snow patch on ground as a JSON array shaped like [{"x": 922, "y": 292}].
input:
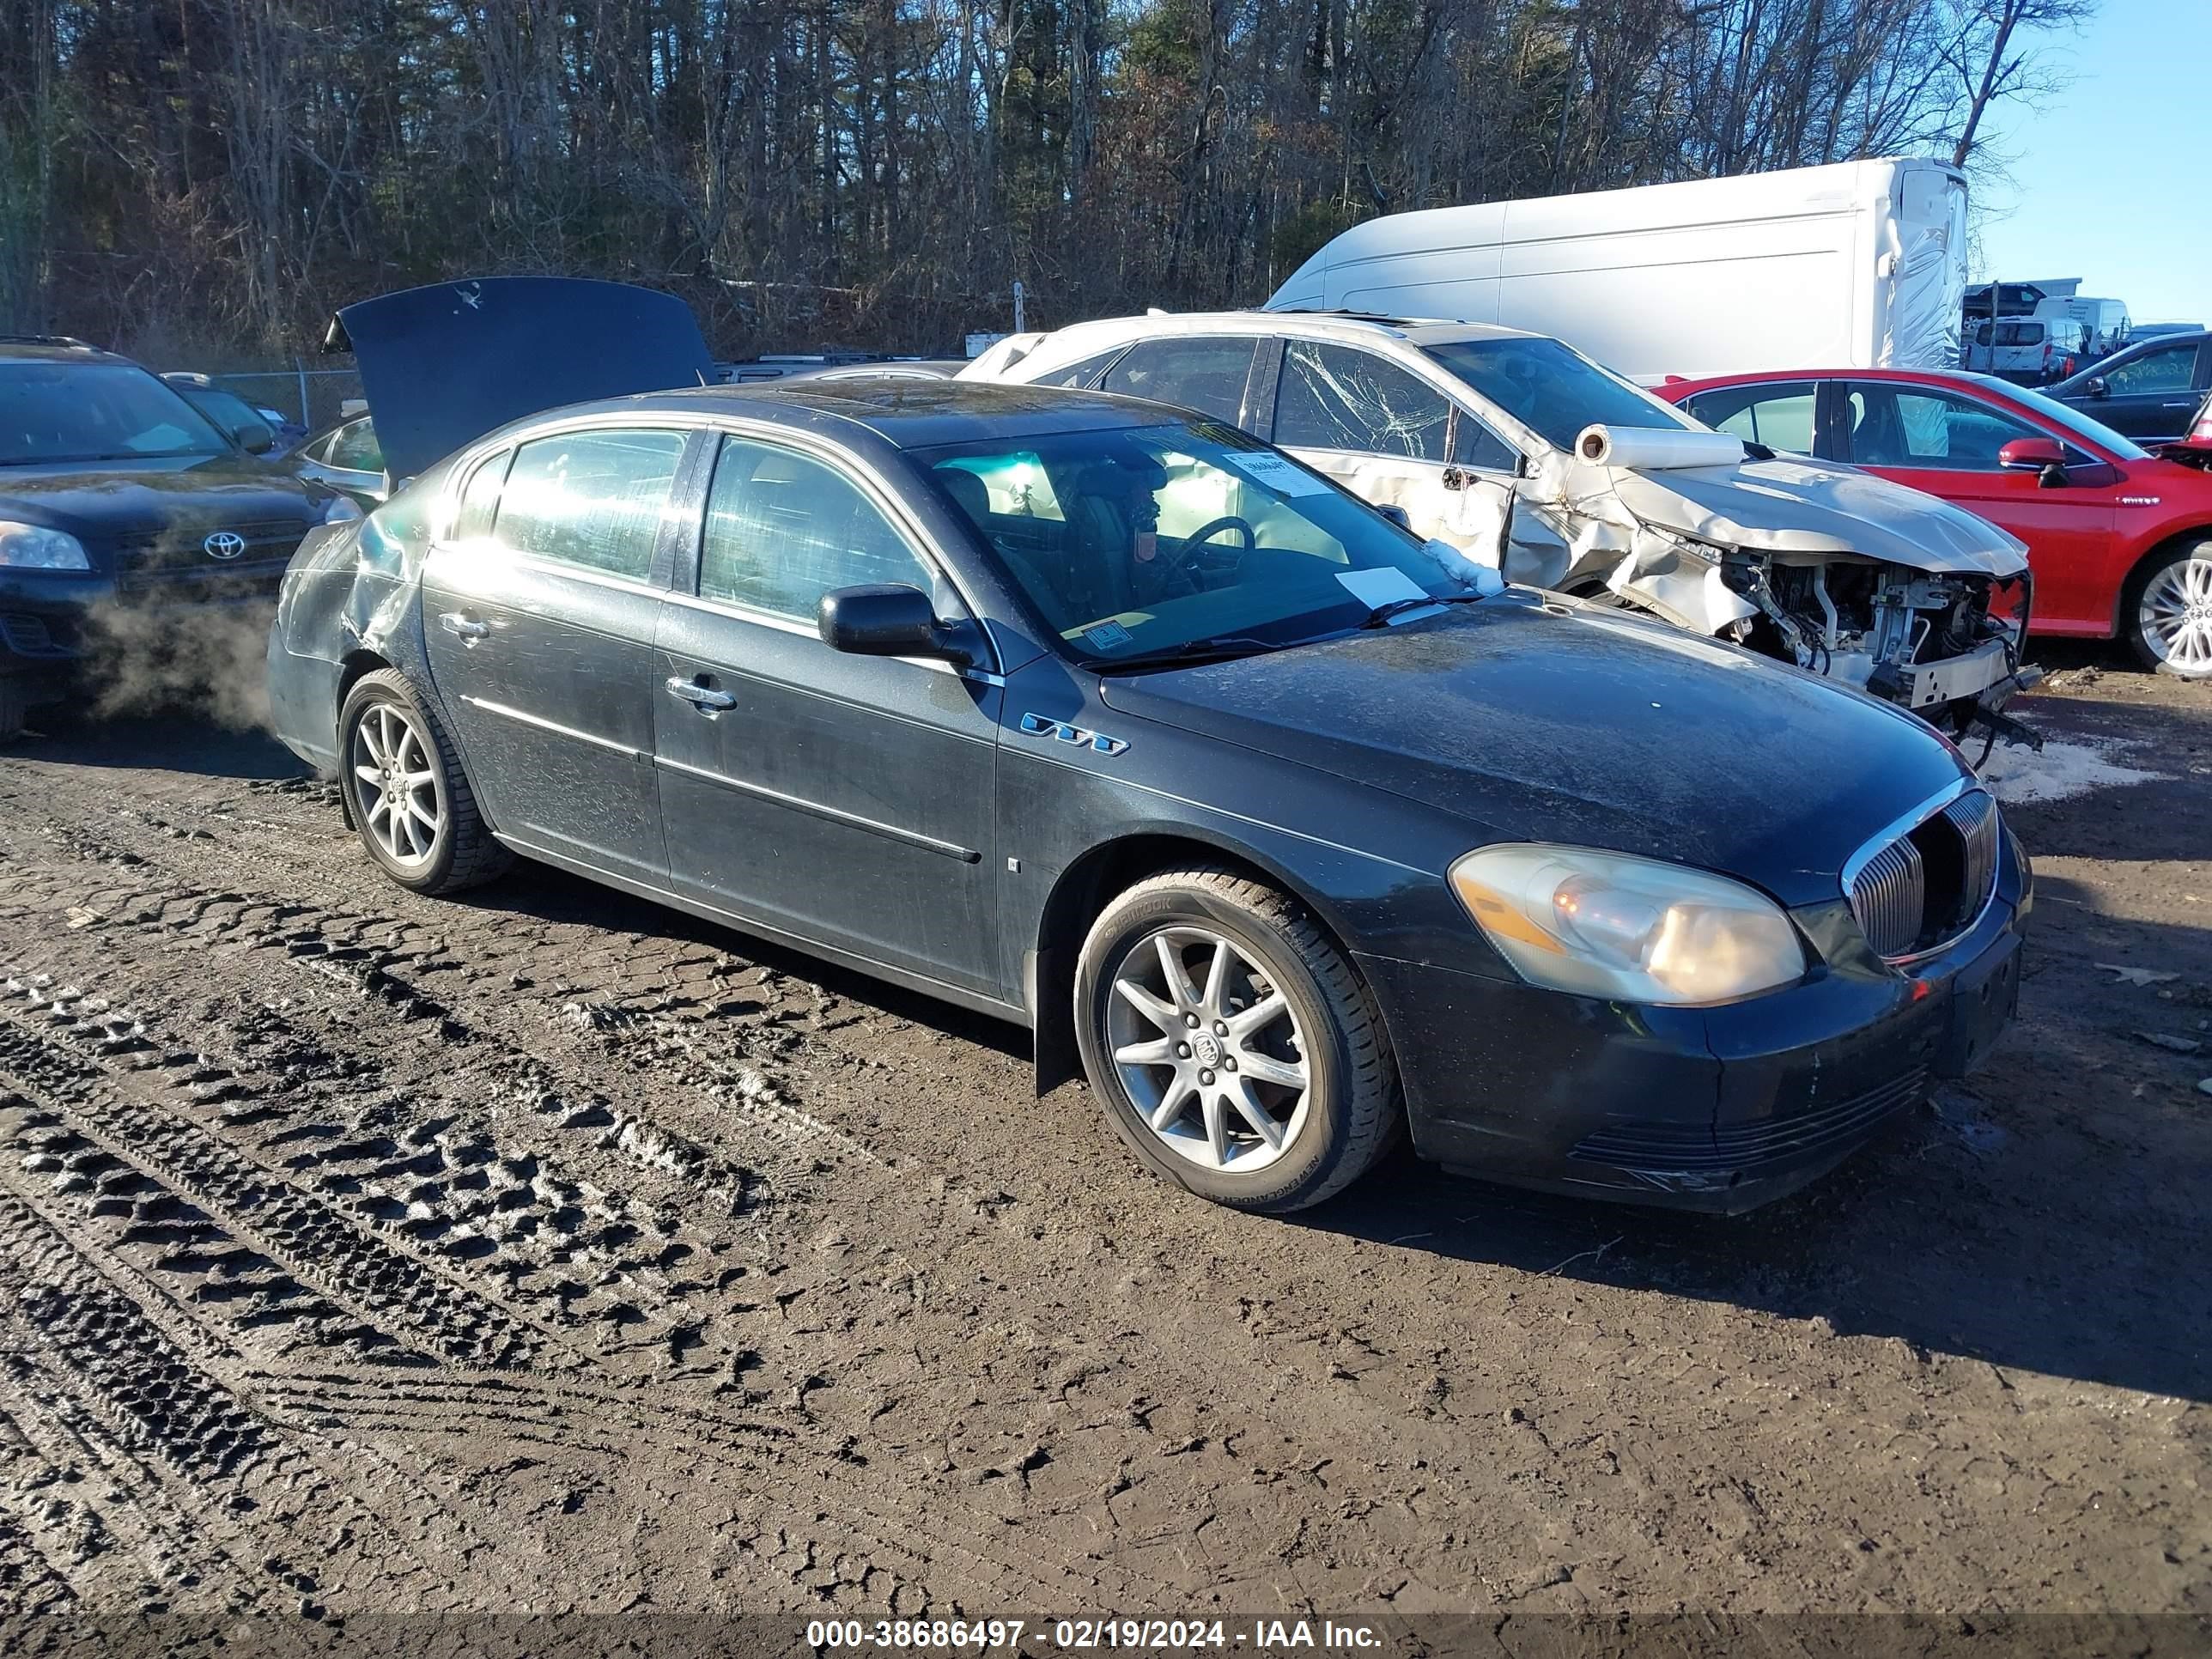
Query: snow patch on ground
[{"x": 2061, "y": 770}]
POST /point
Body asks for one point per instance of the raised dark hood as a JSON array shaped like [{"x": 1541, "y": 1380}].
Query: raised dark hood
[
  {"x": 1580, "y": 726},
  {"x": 444, "y": 364}
]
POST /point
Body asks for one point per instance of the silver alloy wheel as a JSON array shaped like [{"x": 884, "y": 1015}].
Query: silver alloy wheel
[
  {"x": 395, "y": 785},
  {"x": 2175, "y": 615},
  {"x": 1215, "y": 1063}
]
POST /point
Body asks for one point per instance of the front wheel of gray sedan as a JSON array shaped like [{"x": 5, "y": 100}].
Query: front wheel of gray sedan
[
  {"x": 405, "y": 791},
  {"x": 1236, "y": 1049}
]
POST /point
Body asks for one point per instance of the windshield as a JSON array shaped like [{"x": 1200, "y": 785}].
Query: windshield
[
  {"x": 61, "y": 412},
  {"x": 2075, "y": 421},
  {"x": 1551, "y": 388},
  {"x": 1139, "y": 540}
]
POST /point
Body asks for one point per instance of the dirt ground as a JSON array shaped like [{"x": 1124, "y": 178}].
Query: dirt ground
[{"x": 552, "y": 1251}]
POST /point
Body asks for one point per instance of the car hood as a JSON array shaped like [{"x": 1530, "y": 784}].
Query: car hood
[
  {"x": 1794, "y": 505},
  {"x": 1557, "y": 721},
  {"x": 101, "y": 501},
  {"x": 445, "y": 364}
]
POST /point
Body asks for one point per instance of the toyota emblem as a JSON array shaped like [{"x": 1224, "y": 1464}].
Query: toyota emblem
[{"x": 224, "y": 544}]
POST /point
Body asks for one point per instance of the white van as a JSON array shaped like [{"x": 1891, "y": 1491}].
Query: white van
[
  {"x": 2106, "y": 321},
  {"x": 2028, "y": 350},
  {"x": 1859, "y": 265}
]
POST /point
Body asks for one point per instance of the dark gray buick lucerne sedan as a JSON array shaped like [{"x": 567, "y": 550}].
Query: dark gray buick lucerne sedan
[{"x": 1111, "y": 721}]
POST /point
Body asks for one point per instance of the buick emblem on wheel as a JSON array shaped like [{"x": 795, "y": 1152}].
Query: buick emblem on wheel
[{"x": 224, "y": 544}]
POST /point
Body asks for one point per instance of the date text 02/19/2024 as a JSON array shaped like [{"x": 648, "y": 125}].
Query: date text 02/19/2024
[{"x": 1167, "y": 1635}]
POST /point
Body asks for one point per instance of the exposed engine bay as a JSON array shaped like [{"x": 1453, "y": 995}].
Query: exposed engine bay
[
  {"x": 1846, "y": 575},
  {"x": 1928, "y": 643}
]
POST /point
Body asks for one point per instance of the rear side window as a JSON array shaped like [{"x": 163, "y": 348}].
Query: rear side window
[
  {"x": 1779, "y": 415},
  {"x": 480, "y": 497},
  {"x": 1207, "y": 375},
  {"x": 592, "y": 500},
  {"x": 355, "y": 447},
  {"x": 1080, "y": 374},
  {"x": 1335, "y": 396},
  {"x": 783, "y": 529}
]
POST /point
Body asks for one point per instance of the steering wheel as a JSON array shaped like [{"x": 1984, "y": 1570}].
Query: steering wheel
[{"x": 1194, "y": 557}]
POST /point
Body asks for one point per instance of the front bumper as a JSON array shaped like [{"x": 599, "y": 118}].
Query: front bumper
[
  {"x": 1718, "y": 1109},
  {"x": 49, "y": 620}
]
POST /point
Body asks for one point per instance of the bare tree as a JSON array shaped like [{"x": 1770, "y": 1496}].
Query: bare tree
[{"x": 1994, "y": 56}]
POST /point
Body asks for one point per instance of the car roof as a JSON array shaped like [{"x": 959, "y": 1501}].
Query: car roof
[
  {"x": 1311, "y": 325},
  {"x": 53, "y": 348},
  {"x": 1673, "y": 389},
  {"x": 907, "y": 413}
]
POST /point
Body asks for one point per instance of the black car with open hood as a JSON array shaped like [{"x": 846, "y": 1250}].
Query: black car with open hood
[{"x": 1289, "y": 831}]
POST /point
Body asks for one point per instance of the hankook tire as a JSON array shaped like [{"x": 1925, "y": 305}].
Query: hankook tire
[
  {"x": 1235, "y": 1048},
  {"x": 407, "y": 793}
]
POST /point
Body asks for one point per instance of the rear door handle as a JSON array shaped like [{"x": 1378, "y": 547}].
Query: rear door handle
[
  {"x": 704, "y": 698},
  {"x": 466, "y": 627}
]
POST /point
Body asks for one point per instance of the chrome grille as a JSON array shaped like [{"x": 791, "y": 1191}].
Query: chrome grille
[
  {"x": 1974, "y": 815},
  {"x": 1922, "y": 889},
  {"x": 1890, "y": 896}
]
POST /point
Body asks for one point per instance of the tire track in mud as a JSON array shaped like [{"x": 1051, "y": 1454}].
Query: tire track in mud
[
  {"x": 639, "y": 1026},
  {"x": 320, "y": 1244},
  {"x": 137, "y": 1472},
  {"x": 453, "y": 1183},
  {"x": 387, "y": 962}
]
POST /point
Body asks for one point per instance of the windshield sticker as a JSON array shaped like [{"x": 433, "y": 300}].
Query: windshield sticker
[
  {"x": 1106, "y": 637},
  {"x": 1377, "y": 588},
  {"x": 1275, "y": 472}
]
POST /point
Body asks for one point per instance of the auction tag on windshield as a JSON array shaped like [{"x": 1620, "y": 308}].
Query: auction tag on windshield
[
  {"x": 1377, "y": 588},
  {"x": 1275, "y": 472},
  {"x": 1106, "y": 637}
]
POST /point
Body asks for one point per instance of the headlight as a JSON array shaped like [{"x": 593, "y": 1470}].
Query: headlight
[
  {"x": 1627, "y": 929},
  {"x": 34, "y": 547},
  {"x": 341, "y": 509}
]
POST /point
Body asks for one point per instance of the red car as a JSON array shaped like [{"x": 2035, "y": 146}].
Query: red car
[{"x": 2119, "y": 541}]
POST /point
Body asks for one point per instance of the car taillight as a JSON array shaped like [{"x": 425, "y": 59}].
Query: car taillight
[{"x": 2203, "y": 430}]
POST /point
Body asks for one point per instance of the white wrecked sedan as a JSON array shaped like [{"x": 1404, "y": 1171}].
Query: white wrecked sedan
[{"x": 1524, "y": 454}]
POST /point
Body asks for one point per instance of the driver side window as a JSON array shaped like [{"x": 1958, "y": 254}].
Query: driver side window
[
  {"x": 1337, "y": 397},
  {"x": 2168, "y": 370},
  {"x": 783, "y": 529},
  {"x": 1912, "y": 428}
]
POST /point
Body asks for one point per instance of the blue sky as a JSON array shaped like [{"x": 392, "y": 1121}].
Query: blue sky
[{"x": 2104, "y": 177}]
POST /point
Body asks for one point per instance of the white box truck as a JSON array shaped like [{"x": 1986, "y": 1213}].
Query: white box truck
[{"x": 1859, "y": 265}]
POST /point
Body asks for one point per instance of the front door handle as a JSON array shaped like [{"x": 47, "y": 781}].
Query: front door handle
[
  {"x": 704, "y": 698},
  {"x": 466, "y": 627}
]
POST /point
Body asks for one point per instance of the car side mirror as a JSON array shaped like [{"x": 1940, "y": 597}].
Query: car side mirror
[
  {"x": 2098, "y": 386},
  {"x": 1397, "y": 516},
  {"x": 254, "y": 437},
  {"x": 889, "y": 619},
  {"x": 2046, "y": 456}
]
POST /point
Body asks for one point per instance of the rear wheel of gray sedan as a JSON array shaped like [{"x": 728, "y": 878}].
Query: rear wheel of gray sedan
[
  {"x": 1236, "y": 1049},
  {"x": 2171, "y": 618},
  {"x": 407, "y": 793}
]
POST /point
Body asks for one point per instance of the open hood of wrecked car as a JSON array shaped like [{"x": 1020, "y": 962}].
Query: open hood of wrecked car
[
  {"x": 1792, "y": 506},
  {"x": 446, "y": 363}
]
